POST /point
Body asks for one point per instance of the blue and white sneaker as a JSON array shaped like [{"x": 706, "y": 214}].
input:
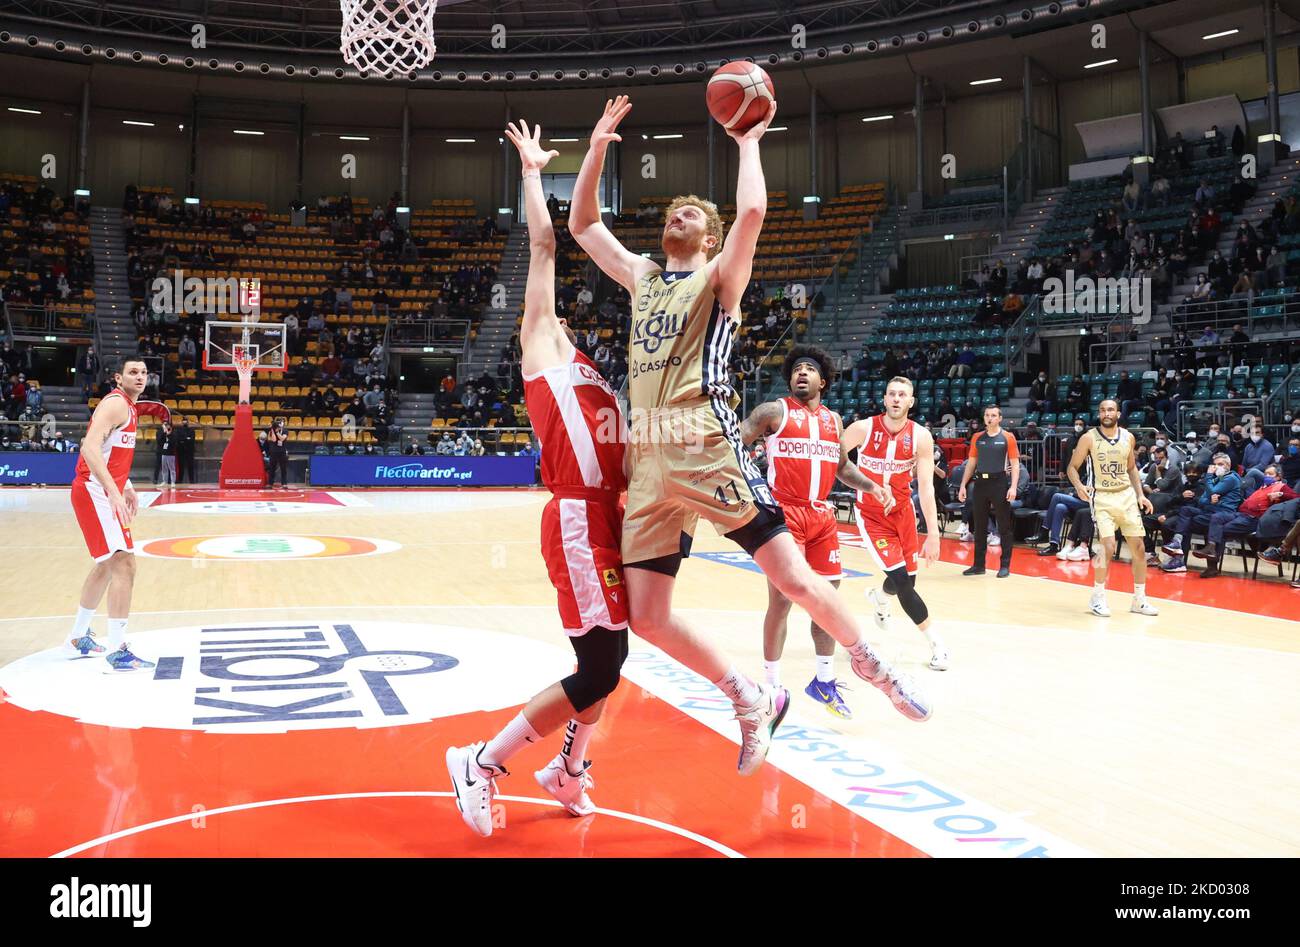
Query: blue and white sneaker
[
  {"x": 123, "y": 660},
  {"x": 86, "y": 644},
  {"x": 828, "y": 693},
  {"x": 1176, "y": 564}
]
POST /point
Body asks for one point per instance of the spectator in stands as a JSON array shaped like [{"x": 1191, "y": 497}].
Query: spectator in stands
[
  {"x": 88, "y": 369},
  {"x": 1258, "y": 454},
  {"x": 1075, "y": 396},
  {"x": 1242, "y": 520},
  {"x": 1215, "y": 149},
  {"x": 1160, "y": 190},
  {"x": 188, "y": 352},
  {"x": 343, "y": 300},
  {"x": 1163, "y": 480},
  {"x": 1291, "y": 458},
  {"x": 1129, "y": 393},
  {"x": 446, "y": 446},
  {"x": 1204, "y": 194},
  {"x": 997, "y": 282},
  {"x": 1220, "y": 493},
  {"x": 331, "y": 400},
  {"x": 331, "y": 368},
  {"x": 1130, "y": 199},
  {"x": 963, "y": 365},
  {"x": 1012, "y": 306},
  {"x": 1041, "y": 395},
  {"x": 1238, "y": 335},
  {"x": 413, "y": 447}
]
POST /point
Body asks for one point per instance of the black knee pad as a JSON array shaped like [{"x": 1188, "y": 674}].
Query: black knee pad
[
  {"x": 905, "y": 589},
  {"x": 888, "y": 587},
  {"x": 601, "y": 654}
]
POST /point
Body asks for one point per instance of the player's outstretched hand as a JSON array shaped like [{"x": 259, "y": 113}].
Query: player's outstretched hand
[
  {"x": 930, "y": 548},
  {"x": 755, "y": 132},
  {"x": 616, "y": 110},
  {"x": 531, "y": 152}
]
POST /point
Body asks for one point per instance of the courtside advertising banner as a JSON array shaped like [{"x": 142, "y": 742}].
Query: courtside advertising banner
[
  {"x": 32, "y": 467},
  {"x": 418, "y": 471}
]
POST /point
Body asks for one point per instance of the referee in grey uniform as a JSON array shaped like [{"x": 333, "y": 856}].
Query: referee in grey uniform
[{"x": 993, "y": 453}]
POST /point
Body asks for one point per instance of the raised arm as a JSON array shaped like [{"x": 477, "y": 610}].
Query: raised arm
[
  {"x": 761, "y": 422},
  {"x": 541, "y": 337},
  {"x": 615, "y": 260},
  {"x": 733, "y": 266}
]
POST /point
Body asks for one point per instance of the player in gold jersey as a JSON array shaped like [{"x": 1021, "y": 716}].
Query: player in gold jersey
[
  {"x": 1114, "y": 491},
  {"x": 685, "y": 450}
]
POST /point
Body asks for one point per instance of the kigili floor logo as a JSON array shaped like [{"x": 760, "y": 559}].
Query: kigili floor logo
[{"x": 249, "y": 547}]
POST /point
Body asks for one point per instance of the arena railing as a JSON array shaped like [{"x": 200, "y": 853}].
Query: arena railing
[
  {"x": 43, "y": 324},
  {"x": 1197, "y": 415},
  {"x": 1253, "y": 311},
  {"x": 1019, "y": 335}
]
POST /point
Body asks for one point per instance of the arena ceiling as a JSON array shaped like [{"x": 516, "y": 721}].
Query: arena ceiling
[{"x": 610, "y": 30}]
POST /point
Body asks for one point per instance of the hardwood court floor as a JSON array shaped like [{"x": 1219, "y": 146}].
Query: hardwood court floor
[{"x": 319, "y": 650}]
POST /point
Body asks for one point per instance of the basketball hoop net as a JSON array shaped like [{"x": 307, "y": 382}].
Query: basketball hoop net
[
  {"x": 388, "y": 36},
  {"x": 245, "y": 362}
]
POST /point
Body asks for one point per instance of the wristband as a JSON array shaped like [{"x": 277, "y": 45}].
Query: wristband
[{"x": 534, "y": 173}]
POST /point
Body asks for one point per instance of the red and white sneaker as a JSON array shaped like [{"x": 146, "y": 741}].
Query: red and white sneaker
[{"x": 569, "y": 790}]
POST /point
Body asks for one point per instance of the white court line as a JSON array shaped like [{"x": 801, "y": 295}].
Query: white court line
[{"x": 191, "y": 816}]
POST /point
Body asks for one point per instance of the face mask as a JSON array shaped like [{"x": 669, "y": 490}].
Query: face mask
[
  {"x": 1269, "y": 481},
  {"x": 1293, "y": 450},
  {"x": 1214, "y": 433},
  {"x": 1160, "y": 443},
  {"x": 1256, "y": 438},
  {"x": 1295, "y": 429},
  {"x": 1078, "y": 430}
]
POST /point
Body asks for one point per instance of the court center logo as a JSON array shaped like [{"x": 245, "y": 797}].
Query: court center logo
[
  {"x": 246, "y": 547},
  {"x": 271, "y": 677}
]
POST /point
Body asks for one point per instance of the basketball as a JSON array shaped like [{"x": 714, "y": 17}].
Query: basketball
[{"x": 739, "y": 96}]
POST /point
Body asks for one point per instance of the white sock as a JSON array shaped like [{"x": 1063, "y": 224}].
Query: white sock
[
  {"x": 1139, "y": 591},
  {"x": 825, "y": 668},
  {"x": 516, "y": 735},
  {"x": 576, "y": 737},
  {"x": 772, "y": 672},
  {"x": 936, "y": 643},
  {"x": 1099, "y": 590},
  {"x": 116, "y": 633},
  {"x": 82, "y": 625},
  {"x": 742, "y": 691}
]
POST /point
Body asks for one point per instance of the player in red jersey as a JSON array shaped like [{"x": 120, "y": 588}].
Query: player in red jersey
[
  {"x": 105, "y": 504},
  {"x": 890, "y": 447},
  {"x": 802, "y": 441},
  {"x": 575, "y": 415}
]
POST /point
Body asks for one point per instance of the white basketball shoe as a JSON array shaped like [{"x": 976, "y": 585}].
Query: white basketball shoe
[
  {"x": 569, "y": 790},
  {"x": 475, "y": 786},
  {"x": 757, "y": 724}
]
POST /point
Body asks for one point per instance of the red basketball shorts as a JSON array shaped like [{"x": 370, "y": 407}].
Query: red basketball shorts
[
  {"x": 580, "y": 543},
  {"x": 103, "y": 532},
  {"x": 817, "y": 533},
  {"x": 890, "y": 540}
]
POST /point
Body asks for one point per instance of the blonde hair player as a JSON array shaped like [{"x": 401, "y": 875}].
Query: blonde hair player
[
  {"x": 570, "y": 406},
  {"x": 890, "y": 447},
  {"x": 1114, "y": 491},
  {"x": 802, "y": 437},
  {"x": 686, "y": 453}
]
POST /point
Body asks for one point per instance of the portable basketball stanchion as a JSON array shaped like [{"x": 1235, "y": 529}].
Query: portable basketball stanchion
[{"x": 241, "y": 463}]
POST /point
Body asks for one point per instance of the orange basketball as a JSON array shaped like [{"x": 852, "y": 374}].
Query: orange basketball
[{"x": 739, "y": 95}]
